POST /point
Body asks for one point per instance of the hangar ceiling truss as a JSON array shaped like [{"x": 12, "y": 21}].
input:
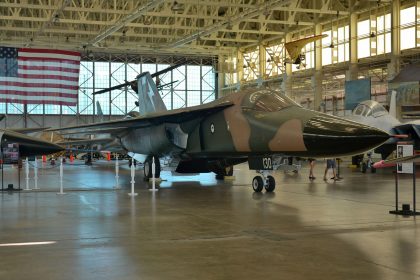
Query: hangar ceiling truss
[{"x": 181, "y": 27}]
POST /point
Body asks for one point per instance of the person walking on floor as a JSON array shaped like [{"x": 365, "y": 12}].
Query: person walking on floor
[
  {"x": 330, "y": 165},
  {"x": 311, "y": 168}
]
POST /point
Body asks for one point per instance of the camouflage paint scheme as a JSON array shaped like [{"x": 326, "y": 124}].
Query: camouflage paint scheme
[
  {"x": 229, "y": 130},
  {"x": 251, "y": 127}
]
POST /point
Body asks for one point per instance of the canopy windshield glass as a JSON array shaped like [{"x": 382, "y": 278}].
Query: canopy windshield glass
[
  {"x": 268, "y": 101},
  {"x": 369, "y": 108}
]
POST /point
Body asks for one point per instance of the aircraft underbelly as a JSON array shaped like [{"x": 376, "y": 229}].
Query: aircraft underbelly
[{"x": 157, "y": 140}]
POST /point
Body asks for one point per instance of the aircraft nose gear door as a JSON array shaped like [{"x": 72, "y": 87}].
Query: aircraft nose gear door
[{"x": 147, "y": 168}]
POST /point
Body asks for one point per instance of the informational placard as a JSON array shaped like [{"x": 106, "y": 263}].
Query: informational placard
[
  {"x": 405, "y": 150},
  {"x": 11, "y": 153}
]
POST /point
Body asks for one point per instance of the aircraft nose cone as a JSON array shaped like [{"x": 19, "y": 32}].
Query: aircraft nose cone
[{"x": 327, "y": 136}]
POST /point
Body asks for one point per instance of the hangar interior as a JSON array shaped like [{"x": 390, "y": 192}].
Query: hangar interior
[
  {"x": 206, "y": 229},
  {"x": 235, "y": 44}
]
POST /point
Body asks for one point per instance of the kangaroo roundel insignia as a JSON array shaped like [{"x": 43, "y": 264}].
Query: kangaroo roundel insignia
[{"x": 212, "y": 128}]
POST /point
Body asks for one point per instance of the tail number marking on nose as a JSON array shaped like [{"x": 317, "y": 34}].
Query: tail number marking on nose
[{"x": 260, "y": 163}]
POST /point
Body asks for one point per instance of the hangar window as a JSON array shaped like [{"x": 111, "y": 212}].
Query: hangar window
[
  {"x": 407, "y": 25},
  {"x": 327, "y": 51},
  {"x": 383, "y": 38},
  {"x": 343, "y": 46},
  {"x": 192, "y": 87},
  {"x": 363, "y": 42}
]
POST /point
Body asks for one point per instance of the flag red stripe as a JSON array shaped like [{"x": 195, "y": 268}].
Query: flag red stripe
[
  {"x": 51, "y": 102},
  {"x": 29, "y": 93},
  {"x": 48, "y": 51},
  {"x": 40, "y": 59},
  {"x": 48, "y": 68},
  {"x": 46, "y": 85},
  {"x": 57, "y": 77}
]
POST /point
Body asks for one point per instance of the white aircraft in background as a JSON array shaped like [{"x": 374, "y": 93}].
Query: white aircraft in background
[{"x": 372, "y": 113}]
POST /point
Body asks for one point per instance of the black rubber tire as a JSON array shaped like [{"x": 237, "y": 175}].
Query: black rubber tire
[
  {"x": 257, "y": 184},
  {"x": 147, "y": 168},
  {"x": 271, "y": 184},
  {"x": 372, "y": 169}
]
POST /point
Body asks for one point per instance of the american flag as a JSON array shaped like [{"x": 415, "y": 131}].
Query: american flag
[{"x": 39, "y": 76}]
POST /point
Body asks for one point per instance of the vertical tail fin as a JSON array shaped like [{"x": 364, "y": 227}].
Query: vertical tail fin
[
  {"x": 149, "y": 97},
  {"x": 99, "y": 111},
  {"x": 393, "y": 104}
]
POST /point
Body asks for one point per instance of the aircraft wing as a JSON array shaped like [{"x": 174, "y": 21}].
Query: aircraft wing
[
  {"x": 294, "y": 48},
  {"x": 28, "y": 130},
  {"x": 152, "y": 119},
  {"x": 86, "y": 141}
]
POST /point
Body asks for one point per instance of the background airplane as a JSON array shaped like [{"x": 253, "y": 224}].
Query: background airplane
[
  {"x": 294, "y": 49},
  {"x": 254, "y": 125},
  {"x": 372, "y": 113}
]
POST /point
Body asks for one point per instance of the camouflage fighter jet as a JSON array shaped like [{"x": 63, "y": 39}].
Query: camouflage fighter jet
[{"x": 254, "y": 125}]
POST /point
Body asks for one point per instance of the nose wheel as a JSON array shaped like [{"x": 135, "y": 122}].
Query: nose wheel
[{"x": 258, "y": 183}]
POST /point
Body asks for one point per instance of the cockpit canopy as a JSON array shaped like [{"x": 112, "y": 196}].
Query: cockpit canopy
[
  {"x": 369, "y": 108},
  {"x": 267, "y": 100}
]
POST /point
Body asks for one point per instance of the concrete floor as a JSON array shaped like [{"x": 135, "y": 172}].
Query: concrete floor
[{"x": 198, "y": 228}]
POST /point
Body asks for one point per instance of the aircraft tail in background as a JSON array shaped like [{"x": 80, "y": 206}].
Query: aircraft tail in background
[
  {"x": 150, "y": 100},
  {"x": 393, "y": 104},
  {"x": 99, "y": 111}
]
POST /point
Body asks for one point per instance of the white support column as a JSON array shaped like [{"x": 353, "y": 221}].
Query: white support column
[
  {"x": 394, "y": 65},
  {"x": 27, "y": 175},
  {"x": 117, "y": 171},
  {"x": 287, "y": 75},
  {"x": 262, "y": 62},
  {"x": 133, "y": 172},
  {"x": 317, "y": 77},
  {"x": 240, "y": 67},
  {"x": 36, "y": 173},
  {"x": 221, "y": 76},
  {"x": 352, "y": 72},
  {"x": 417, "y": 25},
  {"x": 61, "y": 177},
  {"x": 153, "y": 176}
]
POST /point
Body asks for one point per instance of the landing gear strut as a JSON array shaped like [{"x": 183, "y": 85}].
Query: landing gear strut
[
  {"x": 225, "y": 171},
  {"x": 258, "y": 183},
  {"x": 147, "y": 168}
]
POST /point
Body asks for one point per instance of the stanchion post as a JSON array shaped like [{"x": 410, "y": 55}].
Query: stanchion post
[
  {"x": 36, "y": 174},
  {"x": 61, "y": 176},
  {"x": 153, "y": 175},
  {"x": 396, "y": 190},
  {"x": 132, "y": 179},
  {"x": 117, "y": 171},
  {"x": 27, "y": 175},
  {"x": 414, "y": 188}
]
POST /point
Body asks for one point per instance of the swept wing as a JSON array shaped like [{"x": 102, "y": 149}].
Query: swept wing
[{"x": 151, "y": 119}]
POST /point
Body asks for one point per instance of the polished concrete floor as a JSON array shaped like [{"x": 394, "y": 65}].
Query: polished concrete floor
[{"x": 198, "y": 228}]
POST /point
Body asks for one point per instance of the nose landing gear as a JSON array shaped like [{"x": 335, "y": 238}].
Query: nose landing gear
[{"x": 258, "y": 183}]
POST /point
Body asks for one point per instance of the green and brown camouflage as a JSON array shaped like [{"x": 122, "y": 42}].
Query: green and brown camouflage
[{"x": 229, "y": 130}]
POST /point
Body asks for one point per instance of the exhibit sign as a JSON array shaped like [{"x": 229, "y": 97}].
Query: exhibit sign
[
  {"x": 405, "y": 150},
  {"x": 11, "y": 153}
]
